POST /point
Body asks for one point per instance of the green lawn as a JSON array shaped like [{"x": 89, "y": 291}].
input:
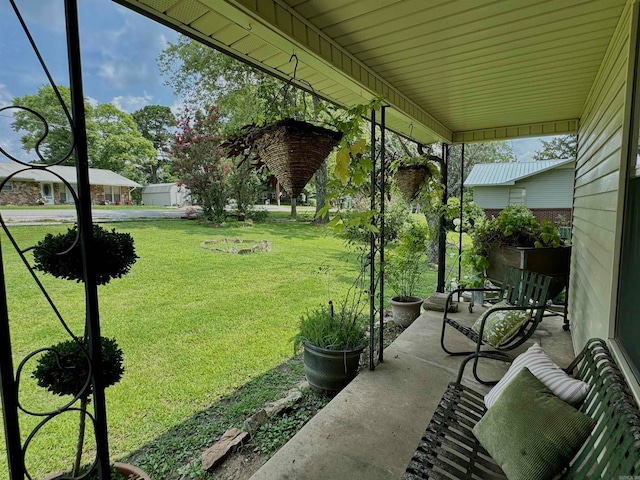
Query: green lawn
[{"x": 194, "y": 325}]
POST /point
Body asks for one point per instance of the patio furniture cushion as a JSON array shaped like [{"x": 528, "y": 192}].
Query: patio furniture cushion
[
  {"x": 500, "y": 325},
  {"x": 564, "y": 386},
  {"x": 530, "y": 432},
  {"x": 448, "y": 449}
]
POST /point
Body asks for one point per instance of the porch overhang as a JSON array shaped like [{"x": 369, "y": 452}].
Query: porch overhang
[{"x": 455, "y": 73}]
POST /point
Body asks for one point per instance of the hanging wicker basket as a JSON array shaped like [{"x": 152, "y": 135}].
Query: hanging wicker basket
[
  {"x": 410, "y": 178},
  {"x": 294, "y": 150}
]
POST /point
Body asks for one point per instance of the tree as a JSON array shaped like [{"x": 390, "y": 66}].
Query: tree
[
  {"x": 113, "y": 140},
  {"x": 58, "y": 142},
  {"x": 200, "y": 162},
  {"x": 155, "y": 123},
  {"x": 243, "y": 95},
  {"x": 562, "y": 147},
  {"x": 120, "y": 146}
]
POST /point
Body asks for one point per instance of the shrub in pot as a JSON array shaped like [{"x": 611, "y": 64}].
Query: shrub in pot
[
  {"x": 333, "y": 341},
  {"x": 516, "y": 238},
  {"x": 404, "y": 270},
  {"x": 64, "y": 368}
]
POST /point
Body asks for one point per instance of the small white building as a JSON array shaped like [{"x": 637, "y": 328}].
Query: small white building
[
  {"x": 545, "y": 187},
  {"x": 166, "y": 194}
]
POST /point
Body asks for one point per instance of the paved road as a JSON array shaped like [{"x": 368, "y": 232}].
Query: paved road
[
  {"x": 59, "y": 215},
  {"x": 39, "y": 215}
]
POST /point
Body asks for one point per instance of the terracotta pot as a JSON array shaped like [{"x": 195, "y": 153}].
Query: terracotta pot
[
  {"x": 124, "y": 468},
  {"x": 405, "y": 312},
  {"x": 127, "y": 469}
]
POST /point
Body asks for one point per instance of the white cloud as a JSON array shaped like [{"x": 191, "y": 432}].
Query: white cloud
[
  {"x": 5, "y": 96},
  {"x": 124, "y": 56},
  {"x": 92, "y": 101},
  {"x": 524, "y": 148},
  {"x": 178, "y": 107},
  {"x": 131, "y": 103},
  {"x": 45, "y": 12},
  {"x": 9, "y": 139}
]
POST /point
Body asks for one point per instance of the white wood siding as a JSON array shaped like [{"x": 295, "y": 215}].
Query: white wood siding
[
  {"x": 596, "y": 195},
  {"x": 491, "y": 197},
  {"x": 552, "y": 189}
]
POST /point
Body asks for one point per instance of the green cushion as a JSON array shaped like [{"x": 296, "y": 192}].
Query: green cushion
[
  {"x": 530, "y": 432},
  {"x": 501, "y": 325}
]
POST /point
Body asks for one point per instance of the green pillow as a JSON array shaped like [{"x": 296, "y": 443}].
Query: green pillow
[
  {"x": 501, "y": 325},
  {"x": 530, "y": 432}
]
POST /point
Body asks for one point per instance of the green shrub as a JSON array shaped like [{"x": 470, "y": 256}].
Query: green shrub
[
  {"x": 60, "y": 255},
  {"x": 408, "y": 262},
  {"x": 514, "y": 226},
  {"x": 396, "y": 215},
  {"x": 323, "y": 328},
  {"x": 257, "y": 215},
  {"x": 64, "y": 368},
  {"x": 472, "y": 214}
]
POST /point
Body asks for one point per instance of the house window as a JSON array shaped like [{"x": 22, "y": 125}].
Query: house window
[
  {"x": 111, "y": 194},
  {"x": 627, "y": 324},
  {"x": 7, "y": 187},
  {"x": 65, "y": 193},
  {"x": 517, "y": 196}
]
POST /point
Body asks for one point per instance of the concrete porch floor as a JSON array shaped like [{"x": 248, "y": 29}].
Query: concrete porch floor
[{"x": 370, "y": 430}]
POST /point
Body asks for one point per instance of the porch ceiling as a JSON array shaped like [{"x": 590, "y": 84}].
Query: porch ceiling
[{"x": 459, "y": 70}]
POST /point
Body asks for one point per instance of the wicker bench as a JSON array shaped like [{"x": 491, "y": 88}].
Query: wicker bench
[
  {"x": 525, "y": 291},
  {"x": 449, "y": 450}
]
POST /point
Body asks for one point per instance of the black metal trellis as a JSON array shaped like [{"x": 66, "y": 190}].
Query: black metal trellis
[
  {"x": 376, "y": 242},
  {"x": 442, "y": 238},
  {"x": 10, "y": 378}
]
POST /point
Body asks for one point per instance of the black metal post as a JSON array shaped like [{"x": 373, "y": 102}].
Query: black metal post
[
  {"x": 461, "y": 214},
  {"x": 85, "y": 223},
  {"x": 381, "y": 234},
  {"x": 372, "y": 245},
  {"x": 13, "y": 442},
  {"x": 442, "y": 239}
]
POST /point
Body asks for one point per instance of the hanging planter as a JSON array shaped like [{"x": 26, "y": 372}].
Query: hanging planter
[
  {"x": 409, "y": 178},
  {"x": 293, "y": 151}
]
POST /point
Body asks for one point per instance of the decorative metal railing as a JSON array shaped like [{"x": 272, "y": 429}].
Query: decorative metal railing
[{"x": 13, "y": 408}]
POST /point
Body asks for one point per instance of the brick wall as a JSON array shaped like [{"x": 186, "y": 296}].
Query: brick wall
[
  {"x": 22, "y": 193},
  {"x": 28, "y": 193},
  {"x": 97, "y": 194},
  {"x": 554, "y": 215}
]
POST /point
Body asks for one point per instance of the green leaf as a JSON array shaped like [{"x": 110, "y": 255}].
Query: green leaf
[
  {"x": 342, "y": 165},
  {"x": 359, "y": 147},
  {"x": 323, "y": 212}
]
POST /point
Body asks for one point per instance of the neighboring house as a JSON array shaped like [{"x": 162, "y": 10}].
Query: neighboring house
[
  {"x": 34, "y": 187},
  {"x": 163, "y": 194},
  {"x": 545, "y": 187}
]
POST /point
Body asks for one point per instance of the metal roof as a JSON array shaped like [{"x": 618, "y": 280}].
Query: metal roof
[
  {"x": 491, "y": 174},
  {"x": 97, "y": 176},
  {"x": 471, "y": 70}
]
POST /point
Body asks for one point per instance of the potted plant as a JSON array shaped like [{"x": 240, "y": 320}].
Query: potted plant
[
  {"x": 404, "y": 269},
  {"x": 411, "y": 174},
  {"x": 516, "y": 238},
  {"x": 333, "y": 340},
  {"x": 64, "y": 368}
]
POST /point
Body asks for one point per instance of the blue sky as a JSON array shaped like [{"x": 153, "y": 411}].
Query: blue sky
[{"x": 119, "y": 51}]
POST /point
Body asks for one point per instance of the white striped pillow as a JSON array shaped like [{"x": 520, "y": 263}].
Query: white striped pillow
[{"x": 551, "y": 375}]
